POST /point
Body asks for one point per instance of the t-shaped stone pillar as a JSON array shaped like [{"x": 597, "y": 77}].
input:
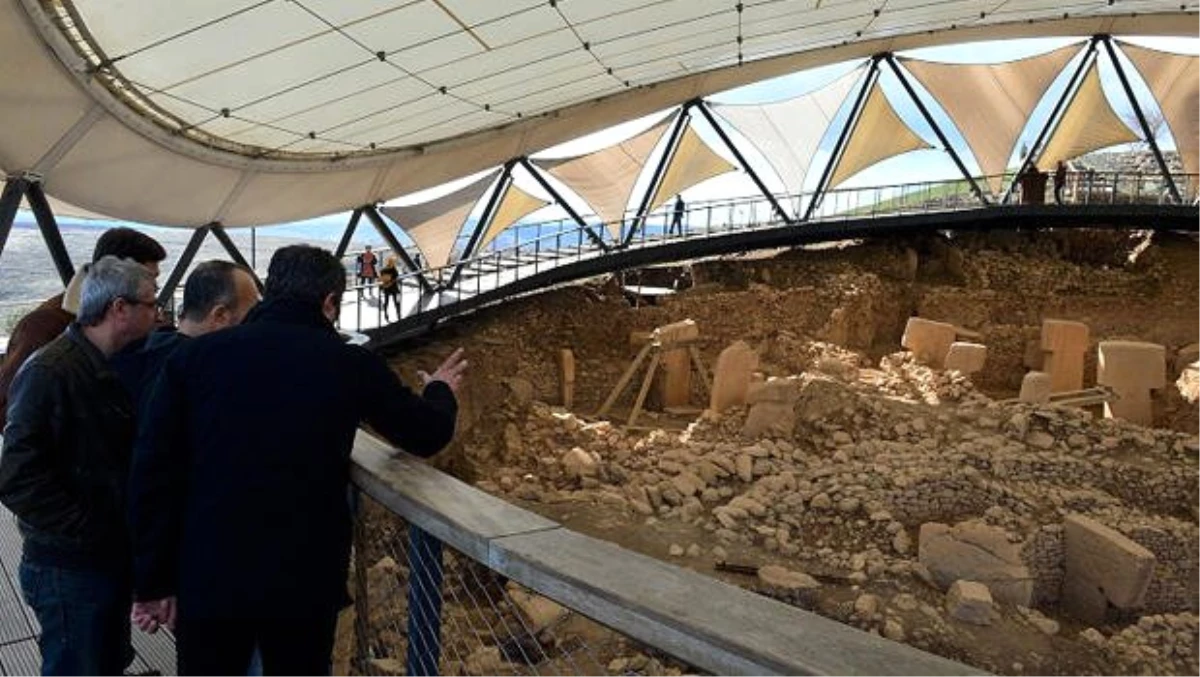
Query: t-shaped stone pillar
[
  {"x": 1063, "y": 346},
  {"x": 929, "y": 341},
  {"x": 1132, "y": 369}
]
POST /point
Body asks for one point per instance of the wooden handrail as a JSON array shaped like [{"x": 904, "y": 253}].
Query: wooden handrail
[{"x": 700, "y": 620}]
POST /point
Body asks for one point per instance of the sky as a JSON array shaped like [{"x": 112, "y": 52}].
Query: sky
[{"x": 925, "y": 165}]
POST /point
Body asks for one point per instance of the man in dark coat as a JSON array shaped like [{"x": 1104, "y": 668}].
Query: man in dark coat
[
  {"x": 218, "y": 295},
  {"x": 238, "y": 490},
  {"x": 63, "y": 473},
  {"x": 51, "y": 318}
]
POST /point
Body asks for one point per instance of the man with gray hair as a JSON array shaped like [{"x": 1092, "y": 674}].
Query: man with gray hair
[{"x": 64, "y": 470}]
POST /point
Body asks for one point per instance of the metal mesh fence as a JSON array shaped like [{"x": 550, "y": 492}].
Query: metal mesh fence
[{"x": 421, "y": 607}]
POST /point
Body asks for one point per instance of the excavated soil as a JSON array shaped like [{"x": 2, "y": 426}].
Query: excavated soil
[{"x": 877, "y": 446}]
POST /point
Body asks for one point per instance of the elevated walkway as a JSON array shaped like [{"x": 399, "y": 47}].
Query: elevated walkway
[{"x": 564, "y": 255}]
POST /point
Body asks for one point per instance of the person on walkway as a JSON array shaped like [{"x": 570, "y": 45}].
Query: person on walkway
[
  {"x": 241, "y": 527},
  {"x": 51, "y": 318},
  {"x": 389, "y": 284},
  {"x": 1060, "y": 180},
  {"x": 63, "y": 472},
  {"x": 677, "y": 217},
  {"x": 368, "y": 265},
  {"x": 218, "y": 295}
]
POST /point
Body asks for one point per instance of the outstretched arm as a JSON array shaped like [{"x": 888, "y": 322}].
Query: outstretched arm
[{"x": 420, "y": 424}]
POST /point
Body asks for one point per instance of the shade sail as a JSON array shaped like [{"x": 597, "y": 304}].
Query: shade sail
[
  {"x": 878, "y": 134},
  {"x": 605, "y": 178},
  {"x": 1174, "y": 79},
  {"x": 1089, "y": 123},
  {"x": 250, "y": 112},
  {"x": 434, "y": 225},
  {"x": 514, "y": 205},
  {"x": 692, "y": 163},
  {"x": 991, "y": 103},
  {"x": 788, "y": 132}
]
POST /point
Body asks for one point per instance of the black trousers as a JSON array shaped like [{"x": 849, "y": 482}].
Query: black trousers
[{"x": 288, "y": 646}]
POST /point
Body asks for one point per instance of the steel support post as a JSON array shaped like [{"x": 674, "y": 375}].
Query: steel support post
[
  {"x": 218, "y": 232},
  {"x": 1068, "y": 93},
  {"x": 50, "y": 232},
  {"x": 485, "y": 220},
  {"x": 639, "y": 218},
  {"x": 762, "y": 187},
  {"x": 592, "y": 235},
  {"x": 937, "y": 129},
  {"x": 347, "y": 234},
  {"x": 10, "y": 202},
  {"x": 181, "y": 266},
  {"x": 424, "y": 602},
  {"x": 1137, "y": 109},
  {"x": 388, "y": 236},
  {"x": 840, "y": 145}
]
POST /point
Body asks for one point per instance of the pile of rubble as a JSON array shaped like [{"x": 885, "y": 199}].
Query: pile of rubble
[{"x": 851, "y": 479}]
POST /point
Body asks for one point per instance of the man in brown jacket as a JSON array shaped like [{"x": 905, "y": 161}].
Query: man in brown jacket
[{"x": 50, "y": 319}]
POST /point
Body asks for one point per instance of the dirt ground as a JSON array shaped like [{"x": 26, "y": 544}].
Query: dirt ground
[{"x": 875, "y": 445}]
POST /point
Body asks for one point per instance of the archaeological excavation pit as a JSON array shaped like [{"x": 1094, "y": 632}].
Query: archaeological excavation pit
[{"x": 982, "y": 445}]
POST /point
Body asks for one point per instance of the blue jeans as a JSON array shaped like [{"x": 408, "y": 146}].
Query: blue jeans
[{"x": 84, "y": 617}]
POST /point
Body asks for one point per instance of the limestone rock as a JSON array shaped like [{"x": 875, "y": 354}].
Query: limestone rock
[
  {"x": 578, "y": 463},
  {"x": 928, "y": 340},
  {"x": 966, "y": 357},
  {"x": 974, "y": 551},
  {"x": 521, "y": 390},
  {"x": 1102, "y": 565},
  {"x": 1036, "y": 387},
  {"x": 970, "y": 602},
  {"x": 786, "y": 579},
  {"x": 772, "y": 409},
  {"x": 538, "y": 612},
  {"x": 731, "y": 376}
]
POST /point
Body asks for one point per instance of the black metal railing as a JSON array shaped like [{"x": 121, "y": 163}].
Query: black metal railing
[{"x": 530, "y": 249}]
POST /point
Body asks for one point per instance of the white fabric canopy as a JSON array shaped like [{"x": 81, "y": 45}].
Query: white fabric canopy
[
  {"x": 249, "y": 113},
  {"x": 692, "y": 163},
  {"x": 991, "y": 103},
  {"x": 1089, "y": 123},
  {"x": 514, "y": 205},
  {"x": 788, "y": 132},
  {"x": 606, "y": 177},
  {"x": 1174, "y": 79},
  {"x": 434, "y": 225},
  {"x": 878, "y": 134}
]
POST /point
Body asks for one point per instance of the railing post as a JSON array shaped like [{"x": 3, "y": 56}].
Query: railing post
[
  {"x": 424, "y": 603},
  {"x": 362, "y": 609}
]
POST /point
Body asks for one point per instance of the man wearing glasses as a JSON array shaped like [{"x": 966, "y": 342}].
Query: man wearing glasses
[{"x": 64, "y": 469}]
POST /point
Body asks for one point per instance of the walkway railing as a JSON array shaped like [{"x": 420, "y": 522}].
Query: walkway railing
[
  {"x": 531, "y": 249},
  {"x": 450, "y": 580}
]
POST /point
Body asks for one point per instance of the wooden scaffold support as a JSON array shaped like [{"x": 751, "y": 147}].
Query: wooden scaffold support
[{"x": 672, "y": 345}]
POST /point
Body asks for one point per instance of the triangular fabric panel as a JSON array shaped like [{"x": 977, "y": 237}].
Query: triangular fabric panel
[
  {"x": 515, "y": 204},
  {"x": 1174, "y": 79},
  {"x": 605, "y": 177},
  {"x": 692, "y": 163},
  {"x": 991, "y": 103},
  {"x": 788, "y": 132},
  {"x": 1088, "y": 124},
  {"x": 434, "y": 225},
  {"x": 878, "y": 135}
]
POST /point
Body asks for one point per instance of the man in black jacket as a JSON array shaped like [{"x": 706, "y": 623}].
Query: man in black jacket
[
  {"x": 218, "y": 295},
  {"x": 238, "y": 490},
  {"x": 63, "y": 472}
]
